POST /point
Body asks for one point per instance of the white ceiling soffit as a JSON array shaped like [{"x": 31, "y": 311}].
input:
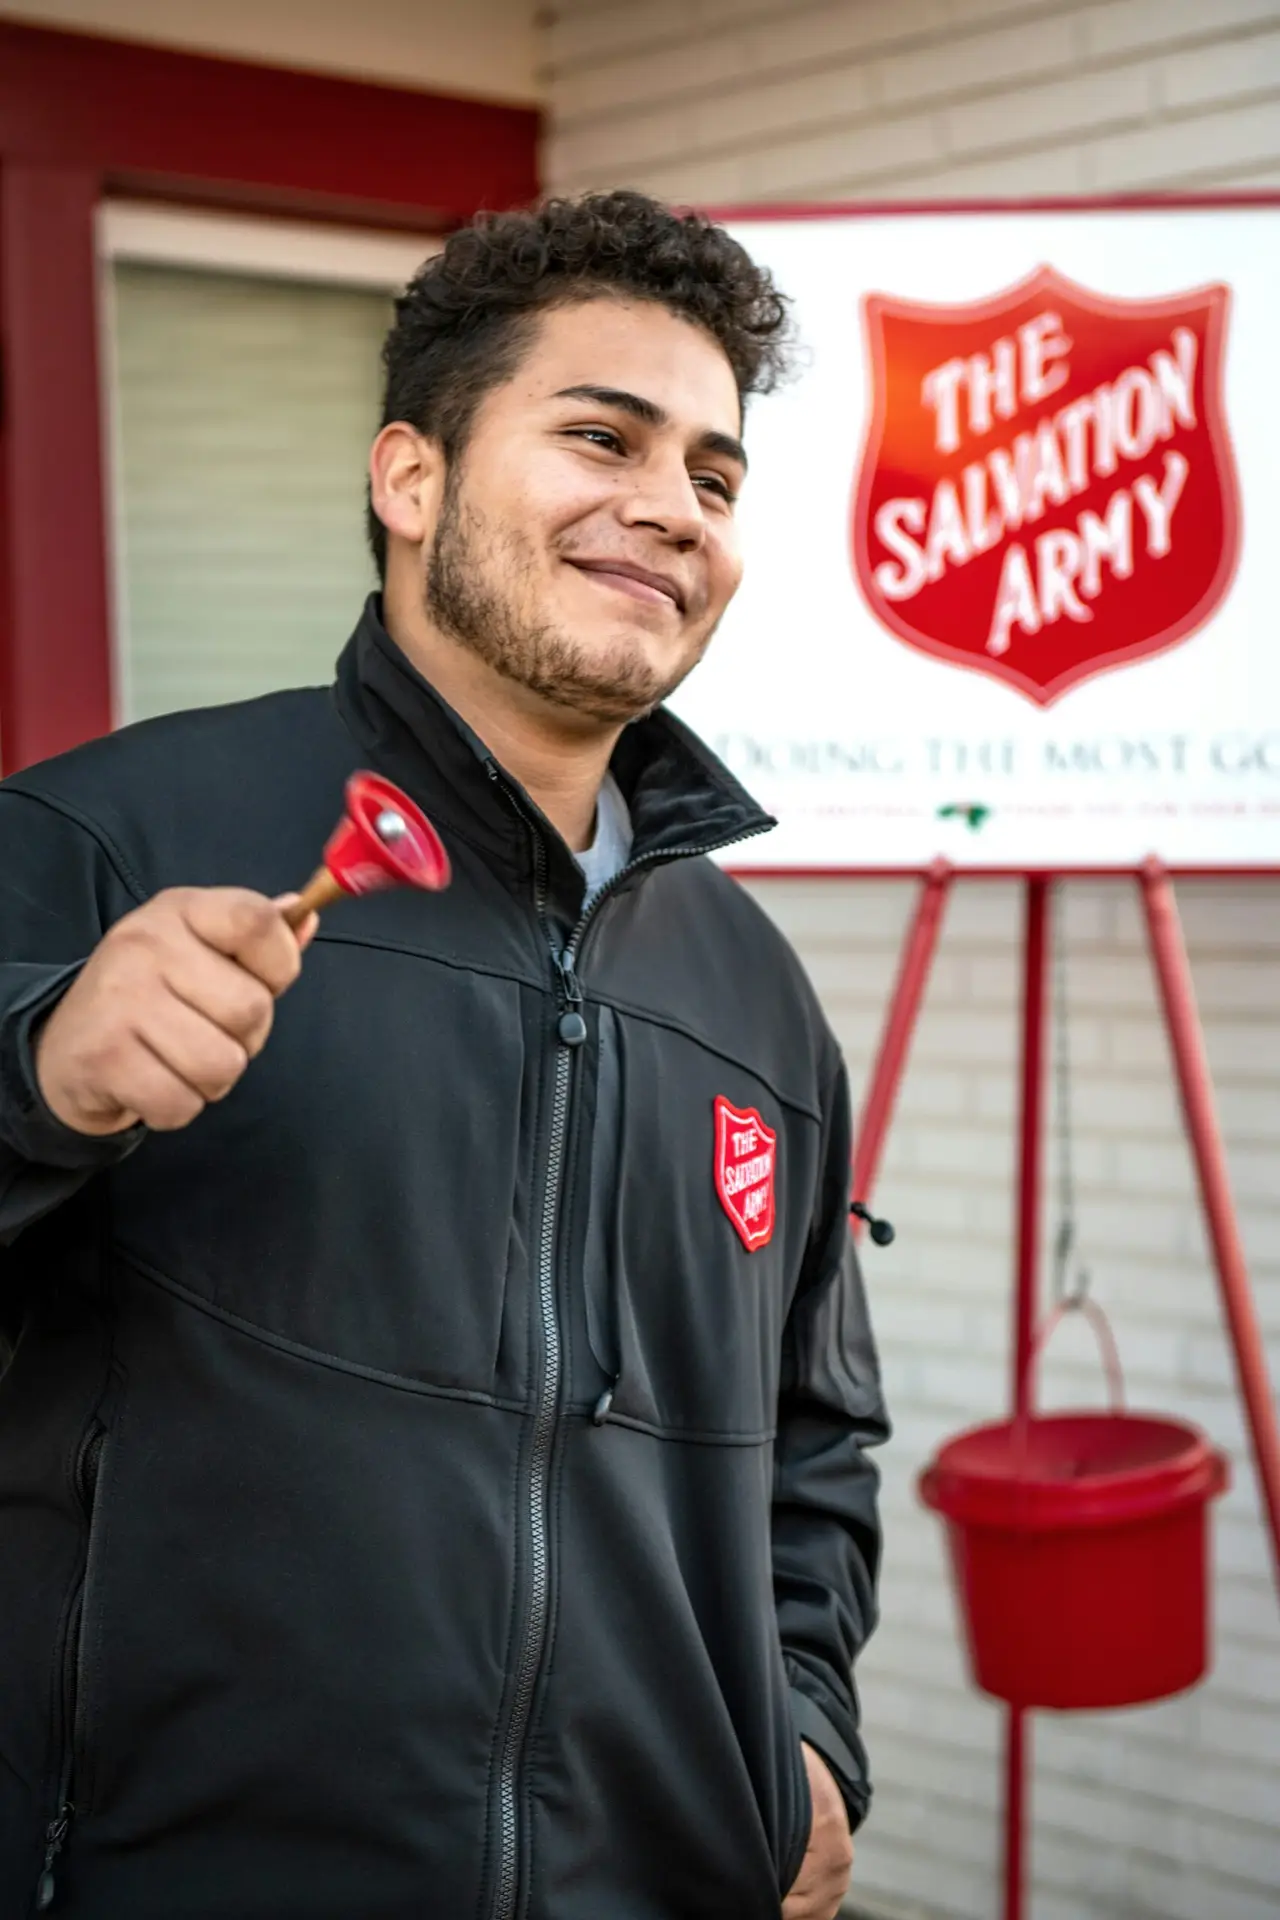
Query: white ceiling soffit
[{"x": 272, "y": 249}]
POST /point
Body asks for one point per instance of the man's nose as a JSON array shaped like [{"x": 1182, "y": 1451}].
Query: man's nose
[{"x": 664, "y": 497}]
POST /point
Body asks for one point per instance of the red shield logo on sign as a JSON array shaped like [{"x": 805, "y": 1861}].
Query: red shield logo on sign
[
  {"x": 746, "y": 1153},
  {"x": 1047, "y": 488}
]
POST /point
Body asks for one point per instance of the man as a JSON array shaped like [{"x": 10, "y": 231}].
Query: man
[{"x": 432, "y": 1478}]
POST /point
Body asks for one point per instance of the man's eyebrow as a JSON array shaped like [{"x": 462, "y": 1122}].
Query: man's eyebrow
[
  {"x": 724, "y": 443},
  {"x": 650, "y": 414},
  {"x": 647, "y": 411}
]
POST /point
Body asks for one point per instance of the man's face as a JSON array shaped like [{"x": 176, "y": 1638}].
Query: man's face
[{"x": 585, "y": 544}]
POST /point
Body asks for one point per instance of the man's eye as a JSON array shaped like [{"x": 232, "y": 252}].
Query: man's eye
[
  {"x": 600, "y": 437},
  {"x": 714, "y": 483}
]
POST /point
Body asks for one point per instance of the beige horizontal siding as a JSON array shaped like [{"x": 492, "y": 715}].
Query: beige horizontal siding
[{"x": 726, "y": 104}]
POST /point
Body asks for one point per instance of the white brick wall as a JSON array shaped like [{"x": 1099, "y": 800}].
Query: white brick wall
[{"x": 1171, "y": 1812}]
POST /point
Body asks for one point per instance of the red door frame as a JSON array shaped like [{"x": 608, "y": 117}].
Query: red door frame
[{"x": 81, "y": 117}]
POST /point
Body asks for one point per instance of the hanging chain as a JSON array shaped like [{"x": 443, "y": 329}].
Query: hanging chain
[{"x": 1065, "y": 1289}]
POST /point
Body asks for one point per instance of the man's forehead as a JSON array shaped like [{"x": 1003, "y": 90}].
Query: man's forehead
[{"x": 634, "y": 347}]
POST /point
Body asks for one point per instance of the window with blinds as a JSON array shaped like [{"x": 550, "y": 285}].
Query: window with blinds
[{"x": 242, "y": 413}]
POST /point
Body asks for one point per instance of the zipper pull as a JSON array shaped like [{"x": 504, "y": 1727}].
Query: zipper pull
[
  {"x": 55, "y": 1836},
  {"x": 572, "y": 1028},
  {"x": 568, "y": 977}
]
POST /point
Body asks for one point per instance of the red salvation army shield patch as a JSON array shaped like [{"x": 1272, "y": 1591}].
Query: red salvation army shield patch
[
  {"x": 746, "y": 1156},
  {"x": 1047, "y": 488}
]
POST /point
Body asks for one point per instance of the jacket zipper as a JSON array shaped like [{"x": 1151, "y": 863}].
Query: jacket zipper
[
  {"x": 538, "y": 1612},
  {"x": 55, "y": 1835},
  {"x": 540, "y": 1448},
  {"x": 88, "y": 1464}
]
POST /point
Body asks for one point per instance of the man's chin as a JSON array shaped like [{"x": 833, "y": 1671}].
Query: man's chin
[
  {"x": 594, "y": 704},
  {"x": 624, "y": 685}
]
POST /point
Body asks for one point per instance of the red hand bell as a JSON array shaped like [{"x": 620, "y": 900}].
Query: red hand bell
[{"x": 382, "y": 841}]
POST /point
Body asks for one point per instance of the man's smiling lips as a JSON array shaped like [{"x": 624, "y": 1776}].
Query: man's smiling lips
[{"x": 641, "y": 583}]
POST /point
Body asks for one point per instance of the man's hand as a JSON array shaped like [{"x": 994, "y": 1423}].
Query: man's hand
[
  {"x": 823, "y": 1879},
  {"x": 168, "y": 1011}
]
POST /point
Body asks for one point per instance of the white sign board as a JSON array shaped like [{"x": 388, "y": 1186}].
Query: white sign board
[{"x": 1012, "y": 536}]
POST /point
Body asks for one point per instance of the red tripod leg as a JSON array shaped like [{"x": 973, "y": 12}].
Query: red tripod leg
[
  {"x": 1017, "y": 1755},
  {"x": 1017, "y": 1732},
  {"x": 900, "y": 1022},
  {"x": 1030, "y": 1136},
  {"x": 1169, "y": 953}
]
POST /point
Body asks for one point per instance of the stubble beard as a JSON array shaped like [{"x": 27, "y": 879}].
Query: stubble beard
[{"x": 478, "y": 590}]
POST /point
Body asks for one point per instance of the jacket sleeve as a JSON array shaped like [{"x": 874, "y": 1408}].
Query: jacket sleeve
[
  {"x": 826, "y": 1530},
  {"x": 59, "y": 891}
]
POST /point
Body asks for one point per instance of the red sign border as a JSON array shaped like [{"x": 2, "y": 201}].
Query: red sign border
[{"x": 1217, "y": 297}]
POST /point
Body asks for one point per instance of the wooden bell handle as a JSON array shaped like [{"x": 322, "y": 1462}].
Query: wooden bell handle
[{"x": 320, "y": 891}]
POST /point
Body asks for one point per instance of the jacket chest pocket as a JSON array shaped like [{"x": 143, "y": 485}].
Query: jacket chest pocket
[
  {"x": 701, "y": 1192},
  {"x": 364, "y": 1191}
]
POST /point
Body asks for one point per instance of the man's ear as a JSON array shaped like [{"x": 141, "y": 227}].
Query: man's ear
[{"x": 406, "y": 480}]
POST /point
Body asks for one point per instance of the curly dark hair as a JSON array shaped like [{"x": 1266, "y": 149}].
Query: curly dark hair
[{"x": 464, "y": 320}]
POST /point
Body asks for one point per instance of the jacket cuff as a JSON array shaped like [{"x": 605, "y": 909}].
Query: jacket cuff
[
  {"x": 813, "y": 1727},
  {"x": 27, "y": 1124}
]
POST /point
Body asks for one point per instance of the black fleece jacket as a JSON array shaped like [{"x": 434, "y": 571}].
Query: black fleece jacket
[{"x": 433, "y": 1483}]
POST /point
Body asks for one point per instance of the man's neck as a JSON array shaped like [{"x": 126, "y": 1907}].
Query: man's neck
[{"x": 559, "y": 761}]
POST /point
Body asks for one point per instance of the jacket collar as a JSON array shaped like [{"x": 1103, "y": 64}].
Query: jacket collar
[{"x": 681, "y": 798}]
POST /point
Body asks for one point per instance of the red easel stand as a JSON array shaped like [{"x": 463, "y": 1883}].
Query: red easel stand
[
  {"x": 1173, "y": 972},
  {"x": 900, "y": 1022},
  {"x": 1186, "y": 1039}
]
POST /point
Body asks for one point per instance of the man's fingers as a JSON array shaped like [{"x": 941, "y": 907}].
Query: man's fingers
[
  {"x": 819, "y": 1899},
  {"x": 158, "y": 1097},
  {"x": 222, "y": 990},
  {"x": 823, "y": 1879},
  {"x": 305, "y": 933},
  {"x": 172, "y": 1005},
  {"x": 193, "y": 1049},
  {"x": 248, "y": 928}
]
